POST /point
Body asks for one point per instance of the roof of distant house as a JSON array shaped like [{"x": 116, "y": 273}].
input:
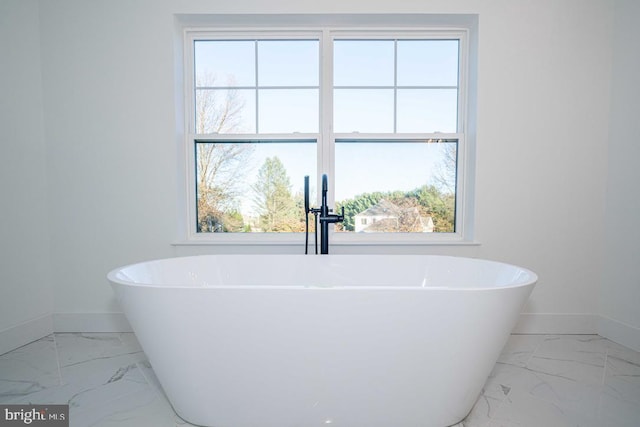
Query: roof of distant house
[
  {"x": 394, "y": 218},
  {"x": 382, "y": 208}
]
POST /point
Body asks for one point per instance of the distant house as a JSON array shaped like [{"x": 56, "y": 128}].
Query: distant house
[{"x": 388, "y": 217}]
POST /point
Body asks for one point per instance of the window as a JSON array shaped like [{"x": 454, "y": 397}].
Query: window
[{"x": 381, "y": 112}]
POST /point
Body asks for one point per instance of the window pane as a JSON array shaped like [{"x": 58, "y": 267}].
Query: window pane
[
  {"x": 253, "y": 187},
  {"x": 363, "y": 62},
  {"x": 288, "y": 63},
  {"x": 397, "y": 186},
  {"x": 288, "y": 110},
  {"x": 225, "y": 111},
  {"x": 428, "y": 63},
  {"x": 251, "y": 183},
  {"x": 225, "y": 63},
  {"x": 363, "y": 110},
  {"x": 427, "y": 110}
]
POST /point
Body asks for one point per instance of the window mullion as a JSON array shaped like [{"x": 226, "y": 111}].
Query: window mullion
[
  {"x": 326, "y": 144},
  {"x": 395, "y": 86},
  {"x": 256, "y": 85}
]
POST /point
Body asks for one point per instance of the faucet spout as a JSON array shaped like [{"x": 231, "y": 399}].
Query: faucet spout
[{"x": 326, "y": 218}]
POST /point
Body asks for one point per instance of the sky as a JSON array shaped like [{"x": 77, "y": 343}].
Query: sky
[{"x": 379, "y": 86}]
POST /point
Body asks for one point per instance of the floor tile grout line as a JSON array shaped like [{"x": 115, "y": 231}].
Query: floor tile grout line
[
  {"x": 602, "y": 385},
  {"x": 498, "y": 406},
  {"x": 55, "y": 346},
  {"x": 604, "y": 368},
  {"x": 158, "y": 391},
  {"x": 109, "y": 401},
  {"x": 505, "y": 397},
  {"x": 535, "y": 350}
]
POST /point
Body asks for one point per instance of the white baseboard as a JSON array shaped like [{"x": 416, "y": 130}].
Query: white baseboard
[
  {"x": 24, "y": 333},
  {"x": 553, "y": 323},
  {"x": 619, "y": 332},
  {"x": 90, "y": 322}
]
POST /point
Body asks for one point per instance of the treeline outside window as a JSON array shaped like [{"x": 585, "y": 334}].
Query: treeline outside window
[{"x": 266, "y": 109}]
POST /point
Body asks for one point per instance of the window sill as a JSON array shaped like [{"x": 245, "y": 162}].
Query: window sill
[{"x": 299, "y": 241}]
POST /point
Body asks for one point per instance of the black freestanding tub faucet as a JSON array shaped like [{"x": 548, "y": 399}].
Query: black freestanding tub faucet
[{"x": 326, "y": 217}]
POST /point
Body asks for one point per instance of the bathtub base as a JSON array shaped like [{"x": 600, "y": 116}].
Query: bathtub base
[{"x": 283, "y": 359}]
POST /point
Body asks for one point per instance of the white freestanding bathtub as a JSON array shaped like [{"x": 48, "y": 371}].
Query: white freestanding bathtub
[{"x": 340, "y": 340}]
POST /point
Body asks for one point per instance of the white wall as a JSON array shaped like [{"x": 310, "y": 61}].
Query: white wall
[
  {"x": 25, "y": 286},
  {"x": 620, "y": 293},
  {"x": 108, "y": 81},
  {"x": 543, "y": 112},
  {"x": 542, "y": 148}
]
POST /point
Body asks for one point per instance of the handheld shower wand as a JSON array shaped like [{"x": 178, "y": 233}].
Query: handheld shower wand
[{"x": 307, "y": 211}]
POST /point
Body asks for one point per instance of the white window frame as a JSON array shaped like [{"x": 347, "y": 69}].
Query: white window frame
[{"x": 326, "y": 138}]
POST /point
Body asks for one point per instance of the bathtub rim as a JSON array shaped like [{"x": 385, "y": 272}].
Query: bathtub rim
[{"x": 530, "y": 277}]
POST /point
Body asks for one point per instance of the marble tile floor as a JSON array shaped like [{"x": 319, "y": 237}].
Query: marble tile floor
[{"x": 539, "y": 381}]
